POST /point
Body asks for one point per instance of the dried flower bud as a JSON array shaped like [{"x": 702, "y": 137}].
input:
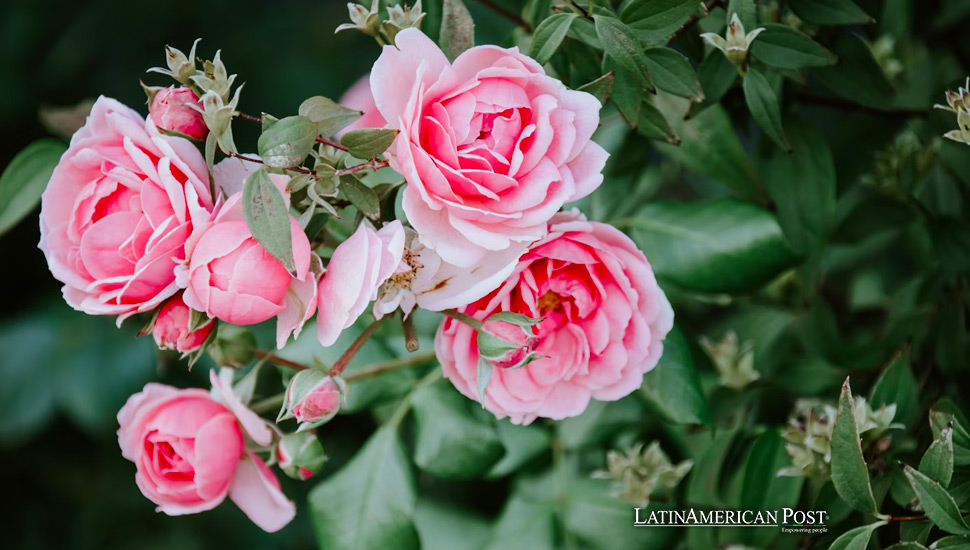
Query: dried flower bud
[
  {"x": 402, "y": 17},
  {"x": 312, "y": 398},
  {"x": 181, "y": 67},
  {"x": 300, "y": 455},
  {"x": 362, "y": 19},
  {"x": 177, "y": 110},
  {"x": 638, "y": 472},
  {"x": 734, "y": 362},
  {"x": 214, "y": 77},
  {"x": 735, "y": 44}
]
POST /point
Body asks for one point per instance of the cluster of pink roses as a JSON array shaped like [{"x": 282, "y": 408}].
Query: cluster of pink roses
[{"x": 491, "y": 148}]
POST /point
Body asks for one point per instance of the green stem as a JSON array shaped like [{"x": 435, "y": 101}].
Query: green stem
[
  {"x": 467, "y": 319},
  {"x": 402, "y": 409},
  {"x": 277, "y": 360},
  {"x": 271, "y": 403},
  {"x": 378, "y": 369}
]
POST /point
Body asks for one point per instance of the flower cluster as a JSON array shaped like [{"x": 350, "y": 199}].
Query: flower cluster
[{"x": 545, "y": 310}]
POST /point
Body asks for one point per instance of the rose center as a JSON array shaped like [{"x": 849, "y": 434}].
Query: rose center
[{"x": 550, "y": 301}]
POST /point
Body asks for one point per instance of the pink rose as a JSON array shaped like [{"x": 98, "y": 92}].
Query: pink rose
[
  {"x": 356, "y": 271},
  {"x": 118, "y": 210},
  {"x": 605, "y": 320},
  {"x": 172, "y": 110},
  {"x": 172, "y": 329},
  {"x": 359, "y": 97},
  {"x": 189, "y": 454},
  {"x": 312, "y": 398},
  {"x": 491, "y": 146},
  {"x": 230, "y": 276},
  {"x": 513, "y": 343}
]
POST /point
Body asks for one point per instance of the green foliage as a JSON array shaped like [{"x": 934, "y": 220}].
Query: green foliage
[
  {"x": 268, "y": 218},
  {"x": 849, "y": 472},
  {"x": 24, "y": 179}
]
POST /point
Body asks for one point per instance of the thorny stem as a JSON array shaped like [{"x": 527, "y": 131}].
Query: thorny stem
[
  {"x": 378, "y": 369},
  {"x": 513, "y": 17},
  {"x": 277, "y": 360},
  {"x": 320, "y": 139},
  {"x": 692, "y": 20},
  {"x": 341, "y": 363},
  {"x": 374, "y": 165},
  {"x": 467, "y": 319}
]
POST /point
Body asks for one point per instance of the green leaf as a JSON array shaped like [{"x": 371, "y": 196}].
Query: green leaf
[
  {"x": 709, "y": 146},
  {"x": 849, "y": 472},
  {"x": 361, "y": 196},
  {"x": 483, "y": 375},
  {"x": 943, "y": 413},
  {"x": 370, "y": 502},
  {"x": 25, "y": 178},
  {"x": 522, "y": 444},
  {"x": 914, "y": 531},
  {"x": 857, "y": 77},
  {"x": 268, "y": 218},
  {"x": 672, "y": 72},
  {"x": 897, "y": 385},
  {"x": 803, "y": 187},
  {"x": 830, "y": 12},
  {"x": 907, "y": 546},
  {"x": 457, "y": 28},
  {"x": 287, "y": 142},
  {"x": 329, "y": 116},
  {"x": 622, "y": 46},
  {"x": 449, "y": 442},
  {"x": 937, "y": 503},
  {"x": 856, "y": 539},
  {"x": 656, "y": 20},
  {"x": 524, "y": 524},
  {"x": 599, "y": 88},
  {"x": 763, "y": 488},
  {"x": 704, "y": 481},
  {"x": 443, "y": 526},
  {"x": 653, "y": 124},
  {"x": 937, "y": 462},
  {"x": 368, "y": 143},
  {"x": 673, "y": 388},
  {"x": 951, "y": 543},
  {"x": 599, "y": 422},
  {"x": 787, "y": 48},
  {"x": 717, "y": 246},
  {"x": 764, "y": 106},
  {"x": 591, "y": 515},
  {"x": 549, "y": 34},
  {"x": 716, "y": 75}
]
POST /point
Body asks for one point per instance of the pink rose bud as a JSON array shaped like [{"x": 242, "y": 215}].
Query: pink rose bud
[
  {"x": 300, "y": 455},
  {"x": 507, "y": 340},
  {"x": 172, "y": 110},
  {"x": 176, "y": 328},
  {"x": 312, "y": 398}
]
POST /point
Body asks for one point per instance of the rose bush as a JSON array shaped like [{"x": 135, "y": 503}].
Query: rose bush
[{"x": 604, "y": 322}]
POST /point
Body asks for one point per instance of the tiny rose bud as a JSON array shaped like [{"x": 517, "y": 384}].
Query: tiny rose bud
[
  {"x": 300, "y": 455},
  {"x": 174, "y": 330},
  {"x": 508, "y": 342},
  {"x": 735, "y": 43},
  {"x": 233, "y": 346},
  {"x": 312, "y": 398},
  {"x": 172, "y": 110}
]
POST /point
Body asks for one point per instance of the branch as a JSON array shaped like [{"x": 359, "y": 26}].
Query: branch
[
  {"x": 693, "y": 19},
  {"x": 372, "y": 164},
  {"x": 259, "y": 161},
  {"x": 333, "y": 144},
  {"x": 277, "y": 360},
  {"x": 513, "y": 17},
  {"x": 341, "y": 363},
  {"x": 378, "y": 369},
  {"x": 410, "y": 335}
]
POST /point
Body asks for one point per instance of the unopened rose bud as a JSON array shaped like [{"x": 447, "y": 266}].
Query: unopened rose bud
[
  {"x": 507, "y": 340},
  {"x": 233, "y": 346},
  {"x": 172, "y": 110},
  {"x": 312, "y": 398},
  {"x": 300, "y": 455},
  {"x": 174, "y": 330}
]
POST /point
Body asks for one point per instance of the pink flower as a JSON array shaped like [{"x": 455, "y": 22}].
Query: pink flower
[
  {"x": 172, "y": 329},
  {"x": 359, "y": 97},
  {"x": 118, "y": 210},
  {"x": 515, "y": 343},
  {"x": 356, "y": 271},
  {"x": 230, "y": 276},
  {"x": 491, "y": 146},
  {"x": 605, "y": 320},
  {"x": 312, "y": 398},
  {"x": 189, "y": 455},
  {"x": 172, "y": 110}
]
